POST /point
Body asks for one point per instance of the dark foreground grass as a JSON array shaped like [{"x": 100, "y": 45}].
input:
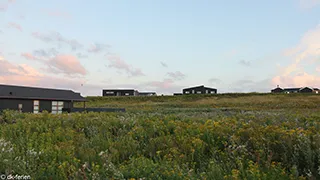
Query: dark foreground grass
[{"x": 233, "y": 136}]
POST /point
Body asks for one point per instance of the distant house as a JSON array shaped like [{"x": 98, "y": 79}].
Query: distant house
[
  {"x": 306, "y": 90},
  {"x": 291, "y": 90},
  {"x": 147, "y": 93},
  {"x": 177, "y": 94},
  {"x": 119, "y": 92},
  {"x": 295, "y": 90},
  {"x": 199, "y": 90},
  {"x": 35, "y": 100},
  {"x": 277, "y": 90}
]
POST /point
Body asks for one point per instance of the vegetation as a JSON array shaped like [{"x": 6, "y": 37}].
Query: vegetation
[{"x": 232, "y": 136}]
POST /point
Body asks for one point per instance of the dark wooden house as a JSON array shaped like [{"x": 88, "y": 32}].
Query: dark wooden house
[
  {"x": 306, "y": 90},
  {"x": 277, "y": 90},
  {"x": 295, "y": 90},
  {"x": 120, "y": 92},
  {"x": 35, "y": 100},
  {"x": 199, "y": 90}
]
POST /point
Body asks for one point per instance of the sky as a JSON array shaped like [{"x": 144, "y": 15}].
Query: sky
[{"x": 162, "y": 46}]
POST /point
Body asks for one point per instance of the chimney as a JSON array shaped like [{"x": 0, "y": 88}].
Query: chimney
[{"x": 277, "y": 86}]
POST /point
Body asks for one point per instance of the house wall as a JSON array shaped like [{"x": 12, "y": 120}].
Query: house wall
[
  {"x": 118, "y": 93},
  {"x": 13, "y": 104},
  {"x": 277, "y": 90},
  {"x": 27, "y": 105},
  {"x": 198, "y": 90}
]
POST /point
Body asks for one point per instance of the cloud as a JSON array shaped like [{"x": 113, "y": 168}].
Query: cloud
[
  {"x": 214, "y": 81},
  {"x": 3, "y": 7},
  {"x": 163, "y": 64},
  {"x": 303, "y": 54},
  {"x": 80, "y": 55},
  {"x": 11, "y": 1},
  {"x": 97, "y": 47},
  {"x": 57, "y": 38},
  {"x": 318, "y": 69},
  {"x": 308, "y": 4},
  {"x": 46, "y": 53},
  {"x": 66, "y": 64},
  {"x": 117, "y": 63},
  {"x": 20, "y": 73},
  {"x": 299, "y": 80},
  {"x": 176, "y": 75},
  {"x": 245, "y": 85},
  {"x": 15, "y": 26},
  {"x": 25, "y": 75},
  {"x": 166, "y": 83},
  {"x": 43, "y": 37},
  {"x": 166, "y": 86},
  {"x": 29, "y": 56},
  {"x": 245, "y": 63},
  {"x": 58, "y": 13}
]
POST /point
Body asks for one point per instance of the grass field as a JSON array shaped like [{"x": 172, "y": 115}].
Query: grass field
[{"x": 225, "y": 136}]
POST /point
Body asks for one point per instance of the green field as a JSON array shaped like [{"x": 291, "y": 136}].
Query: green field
[{"x": 225, "y": 136}]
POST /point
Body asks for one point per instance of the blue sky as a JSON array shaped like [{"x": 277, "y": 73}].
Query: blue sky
[{"x": 230, "y": 45}]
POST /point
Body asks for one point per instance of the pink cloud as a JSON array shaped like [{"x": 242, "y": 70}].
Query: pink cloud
[
  {"x": 23, "y": 74},
  {"x": 299, "y": 80},
  {"x": 67, "y": 64},
  {"x": 304, "y": 53},
  {"x": 28, "y": 56},
  {"x": 118, "y": 63},
  {"x": 15, "y": 26},
  {"x": 20, "y": 73}
]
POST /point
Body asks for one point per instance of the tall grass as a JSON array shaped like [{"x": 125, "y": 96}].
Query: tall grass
[{"x": 206, "y": 137}]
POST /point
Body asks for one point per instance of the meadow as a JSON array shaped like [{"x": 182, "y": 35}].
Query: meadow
[{"x": 225, "y": 136}]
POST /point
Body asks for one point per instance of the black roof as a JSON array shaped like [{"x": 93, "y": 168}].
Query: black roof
[
  {"x": 291, "y": 89},
  {"x": 24, "y": 92},
  {"x": 278, "y": 88},
  {"x": 317, "y": 89},
  {"x": 119, "y": 90},
  {"x": 202, "y": 86}
]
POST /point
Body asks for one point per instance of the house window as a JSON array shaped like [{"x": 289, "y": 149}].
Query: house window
[
  {"x": 207, "y": 91},
  {"x": 212, "y": 92},
  {"x": 199, "y": 92},
  {"x": 109, "y": 92},
  {"x": 127, "y": 94},
  {"x": 57, "y": 107},
  {"x": 192, "y": 91},
  {"x": 35, "y": 106},
  {"x": 187, "y": 92}
]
